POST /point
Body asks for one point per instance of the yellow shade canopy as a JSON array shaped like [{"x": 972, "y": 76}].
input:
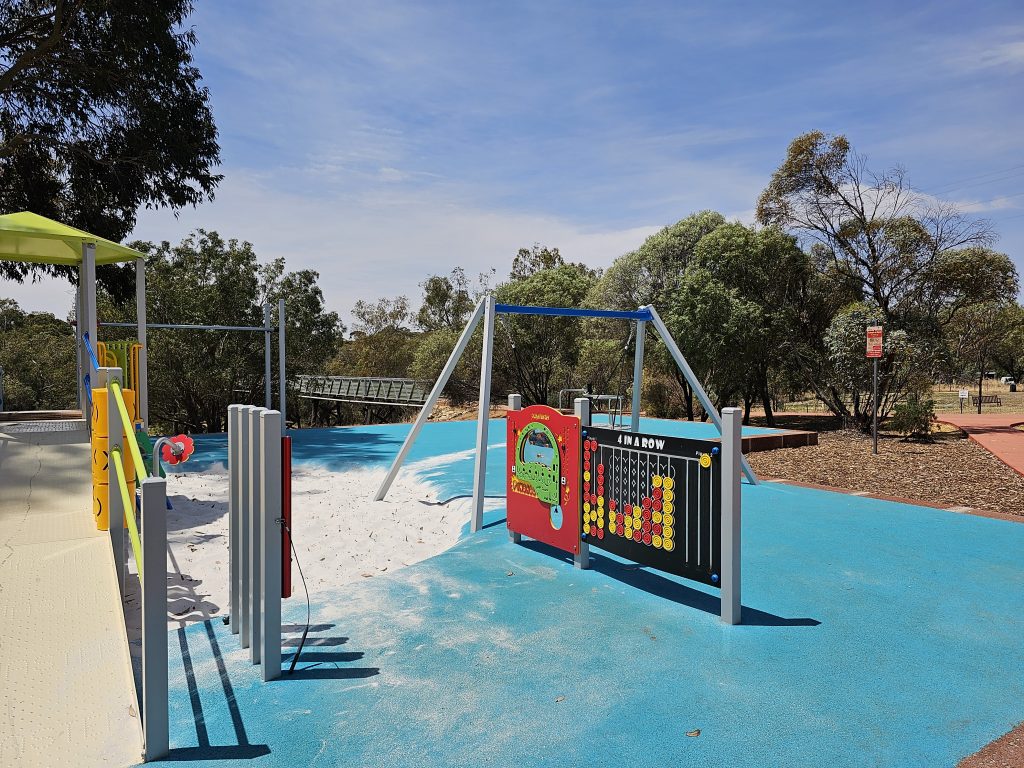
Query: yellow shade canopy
[{"x": 36, "y": 239}]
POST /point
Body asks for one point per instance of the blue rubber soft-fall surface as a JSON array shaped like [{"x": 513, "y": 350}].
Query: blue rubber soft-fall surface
[{"x": 875, "y": 634}]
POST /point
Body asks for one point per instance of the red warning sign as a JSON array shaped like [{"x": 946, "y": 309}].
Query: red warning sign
[{"x": 874, "y": 339}]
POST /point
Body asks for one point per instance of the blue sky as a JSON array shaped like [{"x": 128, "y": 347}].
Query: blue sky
[{"x": 380, "y": 142}]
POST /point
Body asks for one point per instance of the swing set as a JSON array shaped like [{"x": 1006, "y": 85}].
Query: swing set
[{"x": 488, "y": 310}]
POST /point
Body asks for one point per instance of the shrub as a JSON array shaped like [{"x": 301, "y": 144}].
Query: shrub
[{"x": 913, "y": 418}]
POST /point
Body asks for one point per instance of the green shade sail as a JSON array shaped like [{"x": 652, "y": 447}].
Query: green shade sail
[{"x": 36, "y": 239}]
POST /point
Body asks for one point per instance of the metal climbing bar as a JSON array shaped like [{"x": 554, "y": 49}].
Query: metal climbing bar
[
  {"x": 91, "y": 351},
  {"x": 608, "y": 314}
]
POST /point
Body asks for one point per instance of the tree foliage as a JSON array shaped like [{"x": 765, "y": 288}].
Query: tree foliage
[
  {"x": 916, "y": 263},
  {"x": 102, "y": 111},
  {"x": 37, "y": 356},
  {"x": 205, "y": 280},
  {"x": 535, "y": 352}
]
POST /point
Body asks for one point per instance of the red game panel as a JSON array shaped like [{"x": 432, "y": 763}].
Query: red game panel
[{"x": 543, "y": 476}]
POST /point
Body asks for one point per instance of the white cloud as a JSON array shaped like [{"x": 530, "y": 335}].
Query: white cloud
[{"x": 382, "y": 245}]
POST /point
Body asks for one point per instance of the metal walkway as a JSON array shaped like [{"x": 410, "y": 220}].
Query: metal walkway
[
  {"x": 67, "y": 695},
  {"x": 367, "y": 390}
]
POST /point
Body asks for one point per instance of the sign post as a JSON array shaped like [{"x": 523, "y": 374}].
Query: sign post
[
  {"x": 963, "y": 398},
  {"x": 874, "y": 351}
]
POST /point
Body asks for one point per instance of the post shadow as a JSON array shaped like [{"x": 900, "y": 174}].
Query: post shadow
[
  {"x": 642, "y": 578},
  {"x": 330, "y": 673},
  {"x": 243, "y": 750}
]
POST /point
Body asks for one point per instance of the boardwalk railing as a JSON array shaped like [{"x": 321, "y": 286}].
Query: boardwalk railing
[
  {"x": 366, "y": 390},
  {"x": 149, "y": 546}
]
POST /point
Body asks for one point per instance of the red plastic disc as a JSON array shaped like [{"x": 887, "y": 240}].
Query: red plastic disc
[
  {"x": 656, "y": 529},
  {"x": 647, "y": 538},
  {"x": 646, "y": 502},
  {"x": 656, "y": 506}
]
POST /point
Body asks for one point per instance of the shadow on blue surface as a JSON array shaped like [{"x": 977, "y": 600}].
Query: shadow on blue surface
[
  {"x": 308, "y": 657},
  {"x": 653, "y": 583},
  {"x": 313, "y": 642},
  {"x": 331, "y": 673},
  {"x": 243, "y": 750}
]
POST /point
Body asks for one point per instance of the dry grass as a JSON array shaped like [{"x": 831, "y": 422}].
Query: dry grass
[
  {"x": 947, "y": 399},
  {"x": 952, "y": 470}
]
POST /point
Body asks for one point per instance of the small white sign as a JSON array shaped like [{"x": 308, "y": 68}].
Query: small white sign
[{"x": 963, "y": 394}]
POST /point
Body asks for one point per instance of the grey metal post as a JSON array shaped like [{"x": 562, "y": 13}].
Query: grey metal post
[
  {"x": 82, "y": 398},
  {"x": 874, "y": 415},
  {"x": 155, "y": 723},
  {"x": 234, "y": 509},
  {"x": 89, "y": 291},
  {"x": 515, "y": 403},
  {"x": 638, "y": 374},
  {"x": 115, "y": 507},
  {"x": 270, "y": 558},
  {"x": 732, "y": 452},
  {"x": 581, "y": 407},
  {"x": 428, "y": 407},
  {"x": 140, "y": 312},
  {"x": 244, "y": 518},
  {"x": 255, "y": 521},
  {"x": 267, "y": 389},
  {"x": 694, "y": 382},
  {"x": 87, "y": 322},
  {"x": 282, "y": 376},
  {"x": 483, "y": 417}
]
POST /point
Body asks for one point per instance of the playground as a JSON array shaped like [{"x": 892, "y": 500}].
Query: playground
[
  {"x": 873, "y": 632},
  {"x": 581, "y": 602}
]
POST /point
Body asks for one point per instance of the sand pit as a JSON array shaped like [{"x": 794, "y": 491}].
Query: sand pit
[{"x": 341, "y": 534}]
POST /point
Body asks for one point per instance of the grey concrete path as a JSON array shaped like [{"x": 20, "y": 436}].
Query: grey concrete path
[{"x": 67, "y": 695}]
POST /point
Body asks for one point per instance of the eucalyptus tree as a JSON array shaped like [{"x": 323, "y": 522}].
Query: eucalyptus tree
[{"x": 102, "y": 111}]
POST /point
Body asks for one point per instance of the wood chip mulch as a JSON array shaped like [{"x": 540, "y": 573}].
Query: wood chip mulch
[{"x": 952, "y": 471}]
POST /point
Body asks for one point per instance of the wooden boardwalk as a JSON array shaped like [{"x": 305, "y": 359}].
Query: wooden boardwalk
[{"x": 67, "y": 696}]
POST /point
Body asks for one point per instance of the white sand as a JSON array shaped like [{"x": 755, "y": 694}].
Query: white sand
[{"x": 340, "y": 533}]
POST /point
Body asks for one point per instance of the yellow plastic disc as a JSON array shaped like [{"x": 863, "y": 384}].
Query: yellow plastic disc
[
  {"x": 667, "y": 507},
  {"x": 668, "y": 519},
  {"x": 668, "y": 496},
  {"x": 656, "y": 541},
  {"x": 586, "y": 506},
  {"x": 600, "y": 501},
  {"x": 669, "y": 482},
  {"x": 586, "y": 476},
  {"x": 668, "y": 545},
  {"x": 611, "y": 527},
  {"x": 656, "y": 481},
  {"x": 656, "y": 517},
  {"x": 666, "y": 532}
]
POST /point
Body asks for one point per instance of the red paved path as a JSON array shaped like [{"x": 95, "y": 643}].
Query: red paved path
[{"x": 995, "y": 433}]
